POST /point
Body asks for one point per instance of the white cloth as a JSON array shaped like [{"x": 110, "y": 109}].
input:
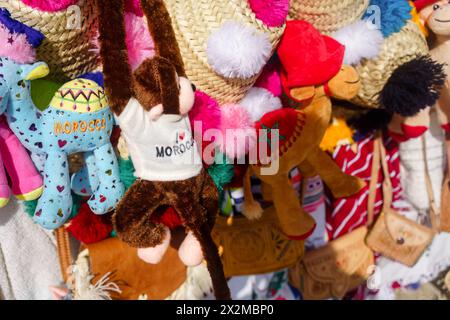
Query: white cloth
[
  {"x": 28, "y": 257},
  {"x": 162, "y": 149},
  {"x": 412, "y": 166}
]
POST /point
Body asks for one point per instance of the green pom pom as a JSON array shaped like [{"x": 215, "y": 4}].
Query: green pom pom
[
  {"x": 222, "y": 172},
  {"x": 126, "y": 169}
]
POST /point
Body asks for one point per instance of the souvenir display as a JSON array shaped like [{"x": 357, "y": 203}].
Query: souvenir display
[{"x": 240, "y": 149}]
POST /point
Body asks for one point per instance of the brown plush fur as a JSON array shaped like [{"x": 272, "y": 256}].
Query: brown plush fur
[
  {"x": 113, "y": 50},
  {"x": 305, "y": 154},
  {"x": 155, "y": 82}
]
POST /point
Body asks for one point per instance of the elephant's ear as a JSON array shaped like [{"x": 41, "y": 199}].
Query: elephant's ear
[{"x": 34, "y": 71}]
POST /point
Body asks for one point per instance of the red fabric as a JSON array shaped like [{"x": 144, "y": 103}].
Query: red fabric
[
  {"x": 88, "y": 227},
  {"x": 167, "y": 216},
  {"x": 420, "y": 4},
  {"x": 308, "y": 57},
  {"x": 347, "y": 214},
  {"x": 285, "y": 120}
]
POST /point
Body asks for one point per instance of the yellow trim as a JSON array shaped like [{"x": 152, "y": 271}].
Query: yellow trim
[{"x": 33, "y": 195}]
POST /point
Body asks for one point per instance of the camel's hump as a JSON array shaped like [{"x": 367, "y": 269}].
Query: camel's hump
[{"x": 80, "y": 95}]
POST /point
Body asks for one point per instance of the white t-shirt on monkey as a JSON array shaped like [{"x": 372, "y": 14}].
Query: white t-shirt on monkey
[{"x": 162, "y": 148}]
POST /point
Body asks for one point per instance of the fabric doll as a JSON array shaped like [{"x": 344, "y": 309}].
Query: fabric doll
[
  {"x": 77, "y": 120},
  {"x": 433, "y": 14},
  {"x": 151, "y": 106}
]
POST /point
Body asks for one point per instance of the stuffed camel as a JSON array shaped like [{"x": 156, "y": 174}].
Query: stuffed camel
[
  {"x": 151, "y": 106},
  {"x": 312, "y": 73},
  {"x": 436, "y": 15},
  {"x": 78, "y": 119}
]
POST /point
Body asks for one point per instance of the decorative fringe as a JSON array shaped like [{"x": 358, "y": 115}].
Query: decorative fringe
[{"x": 83, "y": 289}]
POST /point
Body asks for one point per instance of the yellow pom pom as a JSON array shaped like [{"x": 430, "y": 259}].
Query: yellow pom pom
[{"x": 338, "y": 133}]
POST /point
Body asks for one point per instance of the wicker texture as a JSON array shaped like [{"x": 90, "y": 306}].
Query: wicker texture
[
  {"x": 193, "y": 22},
  {"x": 67, "y": 51},
  {"x": 328, "y": 15},
  {"x": 396, "y": 50}
]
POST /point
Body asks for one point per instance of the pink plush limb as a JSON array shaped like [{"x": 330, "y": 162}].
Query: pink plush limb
[{"x": 24, "y": 176}]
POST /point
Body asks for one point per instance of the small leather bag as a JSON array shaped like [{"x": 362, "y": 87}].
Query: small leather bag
[
  {"x": 255, "y": 247},
  {"x": 344, "y": 263},
  {"x": 395, "y": 236},
  {"x": 445, "y": 198}
]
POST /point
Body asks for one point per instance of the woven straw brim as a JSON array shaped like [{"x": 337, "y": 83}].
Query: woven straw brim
[
  {"x": 66, "y": 50},
  {"x": 328, "y": 15},
  {"x": 398, "y": 49},
  {"x": 193, "y": 22}
]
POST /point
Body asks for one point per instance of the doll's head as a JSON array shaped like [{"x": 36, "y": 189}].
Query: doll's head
[{"x": 436, "y": 15}]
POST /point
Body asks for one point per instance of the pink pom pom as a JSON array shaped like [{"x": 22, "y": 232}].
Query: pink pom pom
[
  {"x": 50, "y": 6},
  {"x": 238, "y": 131},
  {"x": 270, "y": 79},
  {"x": 16, "y": 47},
  {"x": 134, "y": 6},
  {"x": 272, "y": 12},
  {"x": 138, "y": 40},
  {"x": 205, "y": 110}
]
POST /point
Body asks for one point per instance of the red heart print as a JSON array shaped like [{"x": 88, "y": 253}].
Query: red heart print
[
  {"x": 60, "y": 188},
  {"x": 181, "y": 135},
  {"x": 102, "y": 198},
  {"x": 62, "y": 143}
]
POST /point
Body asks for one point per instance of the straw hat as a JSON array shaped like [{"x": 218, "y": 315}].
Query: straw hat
[
  {"x": 398, "y": 49},
  {"x": 194, "y": 21},
  {"x": 328, "y": 15},
  {"x": 66, "y": 49}
]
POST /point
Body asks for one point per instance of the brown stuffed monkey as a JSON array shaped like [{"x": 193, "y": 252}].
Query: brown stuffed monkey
[{"x": 151, "y": 106}]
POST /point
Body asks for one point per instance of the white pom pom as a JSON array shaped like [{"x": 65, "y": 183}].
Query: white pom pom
[
  {"x": 259, "y": 101},
  {"x": 238, "y": 51},
  {"x": 361, "y": 40}
]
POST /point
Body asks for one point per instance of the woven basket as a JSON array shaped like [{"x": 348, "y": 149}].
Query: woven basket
[
  {"x": 328, "y": 15},
  {"x": 398, "y": 49},
  {"x": 67, "y": 51},
  {"x": 193, "y": 22}
]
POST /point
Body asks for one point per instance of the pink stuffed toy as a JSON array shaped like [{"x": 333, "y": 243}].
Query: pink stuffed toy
[{"x": 26, "y": 181}]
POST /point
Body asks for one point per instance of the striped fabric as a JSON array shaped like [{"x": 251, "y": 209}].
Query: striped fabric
[{"x": 347, "y": 214}]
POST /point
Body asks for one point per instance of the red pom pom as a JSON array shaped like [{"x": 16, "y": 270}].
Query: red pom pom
[{"x": 88, "y": 227}]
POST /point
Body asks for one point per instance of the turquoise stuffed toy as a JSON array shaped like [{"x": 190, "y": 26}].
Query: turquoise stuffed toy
[{"x": 77, "y": 120}]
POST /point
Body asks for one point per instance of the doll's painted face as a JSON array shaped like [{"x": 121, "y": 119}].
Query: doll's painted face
[{"x": 437, "y": 17}]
